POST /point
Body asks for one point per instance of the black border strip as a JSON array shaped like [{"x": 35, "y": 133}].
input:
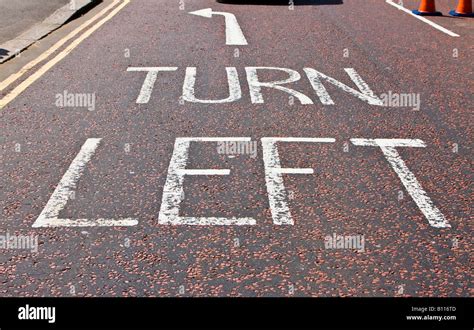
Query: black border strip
[{"x": 239, "y": 313}]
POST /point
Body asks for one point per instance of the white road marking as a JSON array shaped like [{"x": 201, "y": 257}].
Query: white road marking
[
  {"x": 315, "y": 78},
  {"x": 255, "y": 86},
  {"x": 235, "y": 92},
  {"x": 149, "y": 82},
  {"x": 173, "y": 191},
  {"x": 413, "y": 143},
  {"x": 365, "y": 94},
  {"x": 423, "y": 19},
  {"x": 304, "y": 139},
  {"x": 49, "y": 217},
  {"x": 203, "y": 172},
  {"x": 274, "y": 179},
  {"x": 218, "y": 139},
  {"x": 431, "y": 212},
  {"x": 233, "y": 32}
]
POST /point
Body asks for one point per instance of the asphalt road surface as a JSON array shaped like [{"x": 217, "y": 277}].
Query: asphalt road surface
[{"x": 320, "y": 149}]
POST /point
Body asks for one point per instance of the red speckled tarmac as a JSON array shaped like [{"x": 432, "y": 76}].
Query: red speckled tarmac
[{"x": 353, "y": 191}]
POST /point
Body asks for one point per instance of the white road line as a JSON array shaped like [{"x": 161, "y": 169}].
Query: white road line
[
  {"x": 303, "y": 139},
  {"x": 49, "y": 217},
  {"x": 209, "y": 221},
  {"x": 203, "y": 172},
  {"x": 277, "y": 196},
  {"x": 173, "y": 192},
  {"x": 7, "y": 82},
  {"x": 218, "y": 139},
  {"x": 423, "y": 19},
  {"x": 413, "y": 143},
  {"x": 432, "y": 213}
]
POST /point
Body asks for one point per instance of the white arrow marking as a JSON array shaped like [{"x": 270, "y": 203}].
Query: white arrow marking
[{"x": 233, "y": 32}]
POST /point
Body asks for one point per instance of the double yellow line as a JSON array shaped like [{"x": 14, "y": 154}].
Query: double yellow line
[{"x": 48, "y": 65}]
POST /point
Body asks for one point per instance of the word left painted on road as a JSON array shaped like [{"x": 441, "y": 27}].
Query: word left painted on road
[{"x": 178, "y": 170}]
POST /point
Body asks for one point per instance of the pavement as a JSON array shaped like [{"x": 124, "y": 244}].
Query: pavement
[
  {"x": 123, "y": 164},
  {"x": 38, "y": 22},
  {"x": 19, "y": 15}
]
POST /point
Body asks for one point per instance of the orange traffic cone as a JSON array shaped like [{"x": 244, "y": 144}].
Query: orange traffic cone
[
  {"x": 464, "y": 8},
  {"x": 427, "y": 8}
]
